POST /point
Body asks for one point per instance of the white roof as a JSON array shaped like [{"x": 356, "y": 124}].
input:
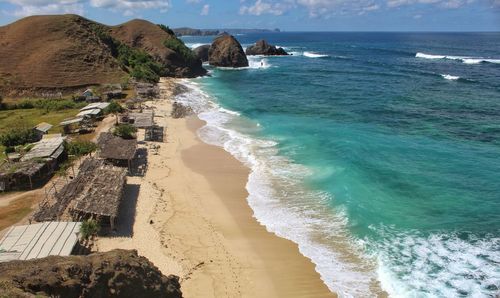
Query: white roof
[
  {"x": 39, "y": 240},
  {"x": 44, "y": 148},
  {"x": 71, "y": 121},
  {"x": 95, "y": 105},
  {"x": 89, "y": 112}
]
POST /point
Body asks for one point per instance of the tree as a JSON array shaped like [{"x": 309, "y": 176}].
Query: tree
[
  {"x": 89, "y": 228},
  {"x": 125, "y": 131},
  {"x": 15, "y": 137},
  {"x": 114, "y": 108}
]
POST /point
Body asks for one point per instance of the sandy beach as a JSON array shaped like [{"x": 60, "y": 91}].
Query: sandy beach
[{"x": 190, "y": 217}]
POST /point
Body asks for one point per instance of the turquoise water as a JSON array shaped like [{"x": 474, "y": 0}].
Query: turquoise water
[{"x": 379, "y": 154}]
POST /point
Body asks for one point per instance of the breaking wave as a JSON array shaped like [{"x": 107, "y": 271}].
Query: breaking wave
[{"x": 463, "y": 59}]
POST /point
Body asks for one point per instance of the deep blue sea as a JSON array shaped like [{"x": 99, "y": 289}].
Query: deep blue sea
[{"x": 378, "y": 153}]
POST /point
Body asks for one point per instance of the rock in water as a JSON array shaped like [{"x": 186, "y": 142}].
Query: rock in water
[
  {"x": 118, "y": 273},
  {"x": 261, "y": 47},
  {"x": 201, "y": 52},
  {"x": 226, "y": 51}
]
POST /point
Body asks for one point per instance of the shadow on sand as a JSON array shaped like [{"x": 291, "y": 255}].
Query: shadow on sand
[{"x": 126, "y": 218}]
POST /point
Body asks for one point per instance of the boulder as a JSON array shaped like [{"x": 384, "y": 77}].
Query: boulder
[
  {"x": 201, "y": 52},
  {"x": 261, "y": 47},
  {"x": 118, "y": 273},
  {"x": 226, "y": 51}
]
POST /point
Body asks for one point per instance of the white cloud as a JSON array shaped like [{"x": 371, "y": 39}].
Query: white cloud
[
  {"x": 205, "y": 10},
  {"x": 127, "y": 7},
  {"x": 40, "y": 7},
  {"x": 439, "y": 3},
  {"x": 262, "y": 7}
]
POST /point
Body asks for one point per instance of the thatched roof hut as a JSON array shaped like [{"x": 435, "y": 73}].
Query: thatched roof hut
[
  {"x": 101, "y": 194},
  {"x": 115, "y": 148},
  {"x": 142, "y": 120},
  {"x": 96, "y": 192}
]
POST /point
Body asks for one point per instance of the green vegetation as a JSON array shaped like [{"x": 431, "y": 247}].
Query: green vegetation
[
  {"x": 89, "y": 228},
  {"x": 23, "y": 118},
  {"x": 46, "y": 104},
  {"x": 166, "y": 29},
  {"x": 138, "y": 63},
  {"x": 180, "y": 48},
  {"x": 80, "y": 148},
  {"x": 125, "y": 131},
  {"x": 15, "y": 137},
  {"x": 114, "y": 108}
]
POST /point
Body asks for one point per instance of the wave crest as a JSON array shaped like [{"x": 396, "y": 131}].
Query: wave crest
[{"x": 463, "y": 59}]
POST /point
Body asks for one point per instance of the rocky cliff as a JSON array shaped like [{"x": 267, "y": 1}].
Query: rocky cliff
[
  {"x": 261, "y": 47},
  {"x": 201, "y": 52},
  {"x": 226, "y": 51},
  {"x": 118, "y": 273}
]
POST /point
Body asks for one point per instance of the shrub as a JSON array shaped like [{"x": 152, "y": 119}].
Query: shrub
[
  {"x": 89, "y": 228},
  {"x": 166, "y": 29},
  {"x": 125, "y": 131},
  {"x": 80, "y": 148},
  {"x": 15, "y": 137},
  {"x": 180, "y": 48}
]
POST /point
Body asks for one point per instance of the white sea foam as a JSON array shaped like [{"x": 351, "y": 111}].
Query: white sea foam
[
  {"x": 254, "y": 62},
  {"x": 280, "y": 203},
  {"x": 450, "y": 77},
  {"x": 194, "y": 45},
  {"x": 314, "y": 55},
  {"x": 406, "y": 264},
  {"x": 463, "y": 59},
  {"x": 439, "y": 265}
]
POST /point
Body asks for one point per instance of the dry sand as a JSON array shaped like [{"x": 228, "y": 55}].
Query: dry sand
[{"x": 190, "y": 217}]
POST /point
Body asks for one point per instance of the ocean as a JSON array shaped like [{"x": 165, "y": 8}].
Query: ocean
[{"x": 377, "y": 153}]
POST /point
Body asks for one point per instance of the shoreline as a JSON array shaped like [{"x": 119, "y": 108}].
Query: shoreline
[{"x": 192, "y": 219}]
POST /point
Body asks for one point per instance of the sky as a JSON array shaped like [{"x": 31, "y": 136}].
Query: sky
[{"x": 287, "y": 15}]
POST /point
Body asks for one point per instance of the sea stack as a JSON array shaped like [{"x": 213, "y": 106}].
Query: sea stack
[
  {"x": 226, "y": 51},
  {"x": 261, "y": 47},
  {"x": 201, "y": 52}
]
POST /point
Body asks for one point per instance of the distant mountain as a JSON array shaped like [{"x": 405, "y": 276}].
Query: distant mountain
[
  {"x": 68, "y": 52},
  {"x": 213, "y": 32}
]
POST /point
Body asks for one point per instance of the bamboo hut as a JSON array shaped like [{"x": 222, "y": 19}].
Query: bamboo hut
[
  {"x": 118, "y": 151},
  {"x": 96, "y": 192},
  {"x": 35, "y": 167}
]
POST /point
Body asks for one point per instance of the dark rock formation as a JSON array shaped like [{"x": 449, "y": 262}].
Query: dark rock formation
[
  {"x": 201, "y": 52},
  {"x": 226, "y": 51},
  {"x": 180, "y": 111},
  {"x": 261, "y": 47},
  {"x": 118, "y": 273}
]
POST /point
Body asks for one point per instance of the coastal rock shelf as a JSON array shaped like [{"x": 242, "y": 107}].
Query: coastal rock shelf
[
  {"x": 118, "y": 273},
  {"x": 261, "y": 47}
]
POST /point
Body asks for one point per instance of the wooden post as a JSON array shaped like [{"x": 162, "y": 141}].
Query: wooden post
[
  {"x": 112, "y": 222},
  {"x": 31, "y": 183}
]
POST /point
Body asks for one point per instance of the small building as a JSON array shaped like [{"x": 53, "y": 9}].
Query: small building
[
  {"x": 113, "y": 91},
  {"x": 39, "y": 240},
  {"x": 142, "y": 120},
  {"x": 34, "y": 168},
  {"x": 88, "y": 93},
  {"x": 95, "y": 193},
  {"x": 42, "y": 129},
  {"x": 116, "y": 150},
  {"x": 95, "y": 105}
]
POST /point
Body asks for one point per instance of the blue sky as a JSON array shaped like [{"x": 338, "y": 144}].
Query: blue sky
[{"x": 289, "y": 15}]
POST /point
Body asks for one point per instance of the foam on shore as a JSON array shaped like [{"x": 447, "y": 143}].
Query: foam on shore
[{"x": 281, "y": 203}]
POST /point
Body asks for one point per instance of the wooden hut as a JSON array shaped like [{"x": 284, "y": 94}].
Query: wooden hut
[
  {"x": 97, "y": 192},
  {"x": 42, "y": 129},
  {"x": 118, "y": 151},
  {"x": 35, "y": 167}
]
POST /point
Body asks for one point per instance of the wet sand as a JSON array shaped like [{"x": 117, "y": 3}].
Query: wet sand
[{"x": 190, "y": 217}]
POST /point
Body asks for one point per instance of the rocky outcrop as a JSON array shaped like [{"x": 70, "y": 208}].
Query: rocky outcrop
[
  {"x": 118, "y": 273},
  {"x": 180, "y": 111},
  {"x": 201, "y": 52},
  {"x": 261, "y": 47},
  {"x": 226, "y": 51}
]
